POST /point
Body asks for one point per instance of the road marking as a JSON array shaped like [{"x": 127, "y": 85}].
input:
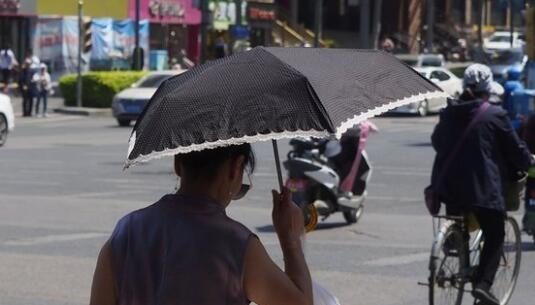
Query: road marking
[
  {"x": 30, "y": 182},
  {"x": 398, "y": 260},
  {"x": 391, "y": 198},
  {"x": 53, "y": 238},
  {"x": 400, "y": 168},
  {"x": 42, "y": 121},
  {"x": 406, "y": 173}
]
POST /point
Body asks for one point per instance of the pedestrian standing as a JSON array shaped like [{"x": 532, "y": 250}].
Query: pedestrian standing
[
  {"x": 7, "y": 64},
  {"x": 221, "y": 47},
  {"x": 26, "y": 89},
  {"x": 43, "y": 87},
  {"x": 32, "y": 60}
]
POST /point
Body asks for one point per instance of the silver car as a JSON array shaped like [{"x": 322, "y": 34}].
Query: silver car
[{"x": 128, "y": 104}]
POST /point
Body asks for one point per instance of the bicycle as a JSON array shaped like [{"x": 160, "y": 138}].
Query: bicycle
[{"x": 455, "y": 255}]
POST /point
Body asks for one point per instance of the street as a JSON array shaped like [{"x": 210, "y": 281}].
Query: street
[{"x": 63, "y": 189}]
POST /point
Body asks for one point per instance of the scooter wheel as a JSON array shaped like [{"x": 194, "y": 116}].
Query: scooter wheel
[
  {"x": 311, "y": 217},
  {"x": 354, "y": 215}
]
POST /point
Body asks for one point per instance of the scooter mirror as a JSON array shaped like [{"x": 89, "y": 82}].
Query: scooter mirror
[{"x": 332, "y": 148}]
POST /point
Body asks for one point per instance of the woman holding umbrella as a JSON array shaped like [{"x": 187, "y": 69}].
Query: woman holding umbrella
[{"x": 184, "y": 249}]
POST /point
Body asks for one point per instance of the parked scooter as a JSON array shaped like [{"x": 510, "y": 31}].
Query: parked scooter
[{"x": 329, "y": 176}]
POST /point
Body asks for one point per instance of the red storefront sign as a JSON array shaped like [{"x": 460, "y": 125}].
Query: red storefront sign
[
  {"x": 166, "y": 11},
  {"x": 9, "y": 6},
  {"x": 261, "y": 15}
]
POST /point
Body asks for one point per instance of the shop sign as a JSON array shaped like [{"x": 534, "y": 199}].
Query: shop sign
[
  {"x": 224, "y": 13},
  {"x": 261, "y": 15},
  {"x": 9, "y": 6},
  {"x": 165, "y": 9}
]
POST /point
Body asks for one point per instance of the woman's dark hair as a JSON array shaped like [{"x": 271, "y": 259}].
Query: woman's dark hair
[
  {"x": 470, "y": 94},
  {"x": 203, "y": 164}
]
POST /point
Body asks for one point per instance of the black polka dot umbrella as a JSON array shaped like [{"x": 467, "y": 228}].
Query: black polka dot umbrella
[{"x": 270, "y": 94}]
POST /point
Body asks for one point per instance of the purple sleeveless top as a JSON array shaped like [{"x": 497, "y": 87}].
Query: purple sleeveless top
[{"x": 180, "y": 250}]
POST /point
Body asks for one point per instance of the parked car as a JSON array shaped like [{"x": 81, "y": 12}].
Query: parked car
[
  {"x": 446, "y": 80},
  {"x": 501, "y": 40},
  {"x": 501, "y": 61},
  {"x": 128, "y": 104},
  {"x": 7, "y": 118},
  {"x": 422, "y": 60}
]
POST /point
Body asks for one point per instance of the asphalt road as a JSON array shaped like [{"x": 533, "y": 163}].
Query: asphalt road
[{"x": 62, "y": 189}]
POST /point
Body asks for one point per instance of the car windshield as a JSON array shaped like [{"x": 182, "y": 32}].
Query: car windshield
[
  {"x": 500, "y": 38},
  {"x": 153, "y": 81},
  {"x": 507, "y": 58},
  {"x": 431, "y": 62},
  {"x": 409, "y": 61}
]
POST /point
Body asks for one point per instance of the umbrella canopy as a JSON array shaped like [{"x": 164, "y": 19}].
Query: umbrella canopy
[{"x": 273, "y": 93}]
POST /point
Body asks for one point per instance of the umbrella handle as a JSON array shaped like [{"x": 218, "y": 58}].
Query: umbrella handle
[{"x": 278, "y": 163}]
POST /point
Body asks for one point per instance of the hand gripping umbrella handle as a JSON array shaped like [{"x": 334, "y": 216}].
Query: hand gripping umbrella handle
[{"x": 278, "y": 163}]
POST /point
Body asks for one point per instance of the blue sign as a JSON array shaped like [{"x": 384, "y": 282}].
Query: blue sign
[{"x": 239, "y": 32}]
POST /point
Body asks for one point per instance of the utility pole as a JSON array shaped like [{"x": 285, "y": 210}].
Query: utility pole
[
  {"x": 294, "y": 11},
  {"x": 376, "y": 27},
  {"x": 205, "y": 21},
  {"x": 137, "y": 50},
  {"x": 429, "y": 35},
  {"x": 511, "y": 22},
  {"x": 239, "y": 16},
  {"x": 364, "y": 24},
  {"x": 318, "y": 18},
  {"x": 480, "y": 23},
  {"x": 80, "y": 46}
]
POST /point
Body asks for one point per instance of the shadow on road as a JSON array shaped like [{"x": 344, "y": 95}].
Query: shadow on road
[
  {"x": 528, "y": 247},
  {"x": 321, "y": 226},
  {"x": 116, "y": 126},
  {"x": 422, "y": 144}
]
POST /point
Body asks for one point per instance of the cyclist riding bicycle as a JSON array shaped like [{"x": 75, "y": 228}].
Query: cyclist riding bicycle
[{"x": 474, "y": 182}]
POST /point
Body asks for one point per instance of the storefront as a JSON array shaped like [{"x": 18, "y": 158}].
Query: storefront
[
  {"x": 16, "y": 18},
  {"x": 174, "y": 26},
  {"x": 261, "y": 15}
]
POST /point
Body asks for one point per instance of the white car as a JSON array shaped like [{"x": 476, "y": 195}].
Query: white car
[
  {"x": 446, "y": 80},
  {"x": 423, "y": 60},
  {"x": 7, "y": 118},
  {"x": 128, "y": 104},
  {"x": 501, "y": 40}
]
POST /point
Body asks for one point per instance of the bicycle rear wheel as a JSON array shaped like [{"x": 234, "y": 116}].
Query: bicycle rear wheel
[
  {"x": 446, "y": 281},
  {"x": 507, "y": 274}
]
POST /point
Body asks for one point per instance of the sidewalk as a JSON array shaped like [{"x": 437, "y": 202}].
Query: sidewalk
[{"x": 55, "y": 105}]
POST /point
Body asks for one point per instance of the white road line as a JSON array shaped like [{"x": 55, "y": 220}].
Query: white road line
[
  {"x": 53, "y": 238},
  {"x": 406, "y": 173},
  {"x": 400, "y": 168},
  {"x": 391, "y": 198},
  {"x": 398, "y": 260},
  {"x": 44, "y": 121}
]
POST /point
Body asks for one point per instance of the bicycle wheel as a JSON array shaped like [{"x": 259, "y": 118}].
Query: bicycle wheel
[
  {"x": 446, "y": 281},
  {"x": 507, "y": 274}
]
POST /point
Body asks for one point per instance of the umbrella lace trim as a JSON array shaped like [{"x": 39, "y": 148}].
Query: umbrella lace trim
[
  {"x": 385, "y": 108},
  {"x": 220, "y": 143}
]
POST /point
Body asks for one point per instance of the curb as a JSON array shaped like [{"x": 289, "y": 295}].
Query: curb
[{"x": 84, "y": 111}]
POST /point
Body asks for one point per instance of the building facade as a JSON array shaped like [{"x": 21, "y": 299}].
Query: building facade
[{"x": 174, "y": 24}]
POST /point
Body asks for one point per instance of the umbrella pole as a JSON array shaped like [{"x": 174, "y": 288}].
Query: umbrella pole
[{"x": 278, "y": 163}]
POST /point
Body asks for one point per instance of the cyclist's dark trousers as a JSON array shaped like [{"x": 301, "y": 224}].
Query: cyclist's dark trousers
[{"x": 492, "y": 223}]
